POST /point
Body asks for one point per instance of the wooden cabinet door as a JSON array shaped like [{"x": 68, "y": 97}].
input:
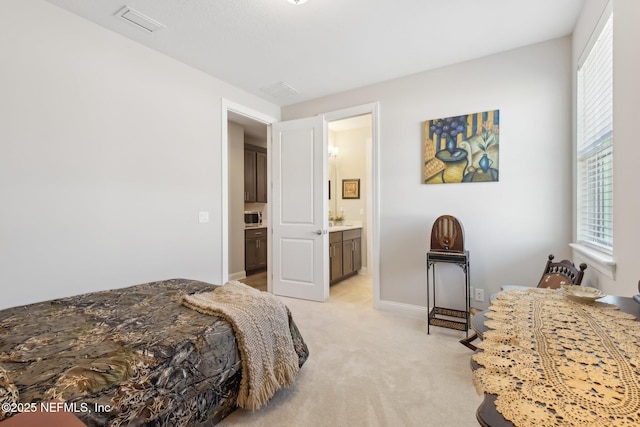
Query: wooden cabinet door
[
  {"x": 347, "y": 257},
  {"x": 249, "y": 176},
  {"x": 335, "y": 261},
  {"x": 255, "y": 249},
  {"x": 357, "y": 255},
  {"x": 255, "y": 253},
  {"x": 345, "y": 254},
  {"x": 335, "y": 256},
  {"x": 261, "y": 252},
  {"x": 261, "y": 177},
  {"x": 250, "y": 254},
  {"x": 255, "y": 174}
]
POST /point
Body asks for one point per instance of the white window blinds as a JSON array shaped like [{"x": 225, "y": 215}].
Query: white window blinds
[{"x": 595, "y": 144}]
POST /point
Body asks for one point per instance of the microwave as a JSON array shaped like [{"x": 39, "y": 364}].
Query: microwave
[{"x": 252, "y": 217}]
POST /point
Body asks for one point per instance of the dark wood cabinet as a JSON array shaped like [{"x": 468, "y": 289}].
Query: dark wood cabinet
[
  {"x": 351, "y": 253},
  {"x": 335, "y": 256},
  {"x": 255, "y": 174},
  {"x": 255, "y": 249},
  {"x": 357, "y": 254},
  {"x": 249, "y": 175},
  {"x": 261, "y": 177},
  {"x": 351, "y": 242},
  {"x": 345, "y": 254}
]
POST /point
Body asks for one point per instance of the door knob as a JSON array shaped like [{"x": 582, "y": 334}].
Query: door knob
[{"x": 318, "y": 232}]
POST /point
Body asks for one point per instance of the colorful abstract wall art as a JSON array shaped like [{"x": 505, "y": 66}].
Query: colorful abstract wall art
[{"x": 462, "y": 148}]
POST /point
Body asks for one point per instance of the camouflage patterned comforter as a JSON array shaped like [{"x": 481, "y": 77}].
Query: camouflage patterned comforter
[{"x": 132, "y": 356}]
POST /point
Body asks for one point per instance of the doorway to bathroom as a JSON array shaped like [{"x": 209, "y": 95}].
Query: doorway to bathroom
[
  {"x": 369, "y": 188},
  {"x": 349, "y": 142}
]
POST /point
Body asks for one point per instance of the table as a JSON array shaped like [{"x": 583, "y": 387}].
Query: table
[
  {"x": 487, "y": 414},
  {"x": 455, "y": 164},
  {"x": 441, "y": 316}
]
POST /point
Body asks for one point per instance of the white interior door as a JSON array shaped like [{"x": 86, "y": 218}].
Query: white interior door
[{"x": 300, "y": 242}]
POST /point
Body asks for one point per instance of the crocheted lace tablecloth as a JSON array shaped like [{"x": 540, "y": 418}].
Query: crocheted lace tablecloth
[{"x": 552, "y": 361}]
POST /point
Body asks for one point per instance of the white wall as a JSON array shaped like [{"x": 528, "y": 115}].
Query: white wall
[
  {"x": 108, "y": 152},
  {"x": 626, "y": 151},
  {"x": 512, "y": 225}
]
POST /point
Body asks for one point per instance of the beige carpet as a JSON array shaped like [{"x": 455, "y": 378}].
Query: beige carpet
[{"x": 370, "y": 368}]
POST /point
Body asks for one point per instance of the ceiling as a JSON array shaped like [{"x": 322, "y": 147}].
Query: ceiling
[{"x": 330, "y": 46}]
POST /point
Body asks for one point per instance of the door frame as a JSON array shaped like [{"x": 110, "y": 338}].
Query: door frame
[
  {"x": 373, "y": 190},
  {"x": 258, "y": 116}
]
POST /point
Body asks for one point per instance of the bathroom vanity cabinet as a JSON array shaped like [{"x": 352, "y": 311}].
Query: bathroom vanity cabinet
[{"x": 345, "y": 253}]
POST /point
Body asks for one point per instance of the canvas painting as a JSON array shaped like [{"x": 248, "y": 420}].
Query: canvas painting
[{"x": 462, "y": 148}]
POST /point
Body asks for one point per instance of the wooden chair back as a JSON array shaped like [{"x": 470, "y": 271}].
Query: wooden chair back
[{"x": 557, "y": 274}]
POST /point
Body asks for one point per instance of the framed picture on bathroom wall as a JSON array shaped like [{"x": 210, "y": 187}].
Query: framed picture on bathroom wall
[
  {"x": 351, "y": 188},
  {"x": 462, "y": 148}
]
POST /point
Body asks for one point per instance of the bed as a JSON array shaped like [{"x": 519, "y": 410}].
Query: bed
[{"x": 131, "y": 356}]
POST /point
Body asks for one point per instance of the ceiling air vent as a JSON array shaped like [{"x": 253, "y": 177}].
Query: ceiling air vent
[
  {"x": 139, "y": 20},
  {"x": 279, "y": 90}
]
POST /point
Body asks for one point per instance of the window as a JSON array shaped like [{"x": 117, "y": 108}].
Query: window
[{"x": 595, "y": 142}]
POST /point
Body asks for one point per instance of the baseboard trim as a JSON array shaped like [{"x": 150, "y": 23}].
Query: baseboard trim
[
  {"x": 404, "y": 310},
  {"x": 238, "y": 275}
]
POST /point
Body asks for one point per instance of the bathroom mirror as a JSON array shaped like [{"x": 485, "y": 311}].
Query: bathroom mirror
[{"x": 333, "y": 188}]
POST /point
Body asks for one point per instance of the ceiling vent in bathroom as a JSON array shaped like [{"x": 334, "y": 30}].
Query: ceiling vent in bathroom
[{"x": 139, "y": 20}]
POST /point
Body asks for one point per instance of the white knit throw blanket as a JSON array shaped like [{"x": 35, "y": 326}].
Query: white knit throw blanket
[{"x": 261, "y": 325}]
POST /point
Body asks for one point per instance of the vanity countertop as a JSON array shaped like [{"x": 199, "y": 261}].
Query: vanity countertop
[{"x": 348, "y": 225}]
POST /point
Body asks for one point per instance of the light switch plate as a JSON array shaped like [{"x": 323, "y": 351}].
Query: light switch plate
[{"x": 203, "y": 217}]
